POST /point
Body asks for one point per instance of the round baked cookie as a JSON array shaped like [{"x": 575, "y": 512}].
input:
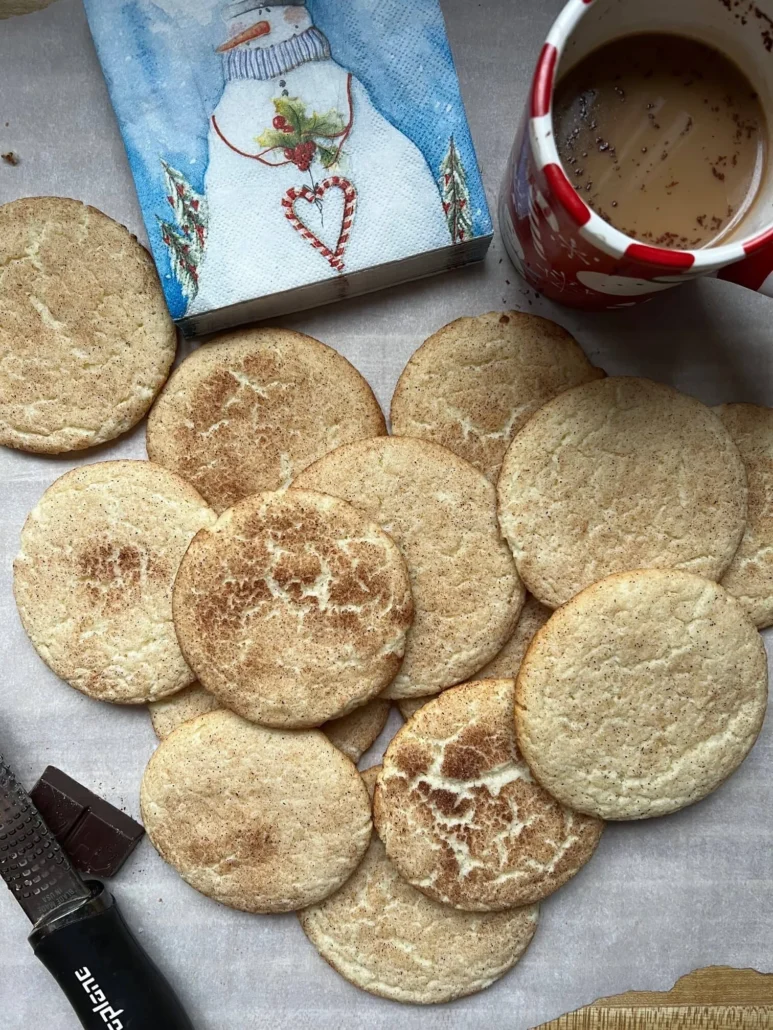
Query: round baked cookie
[
  {"x": 85, "y": 336},
  {"x": 250, "y": 410},
  {"x": 473, "y": 384},
  {"x": 262, "y": 820},
  {"x": 442, "y": 513},
  {"x": 507, "y": 663},
  {"x": 749, "y": 577},
  {"x": 641, "y": 695},
  {"x": 387, "y": 938},
  {"x": 356, "y": 732},
  {"x": 409, "y": 706},
  {"x": 620, "y": 474},
  {"x": 353, "y": 734},
  {"x": 93, "y": 579},
  {"x": 191, "y": 702},
  {"x": 293, "y": 608},
  {"x": 8, "y": 8},
  {"x": 461, "y": 816}
]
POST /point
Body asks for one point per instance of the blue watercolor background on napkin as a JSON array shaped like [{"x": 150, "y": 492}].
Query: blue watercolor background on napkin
[{"x": 165, "y": 78}]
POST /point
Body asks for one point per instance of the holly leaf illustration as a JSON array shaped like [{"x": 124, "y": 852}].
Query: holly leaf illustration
[
  {"x": 327, "y": 155},
  {"x": 293, "y": 110},
  {"x": 330, "y": 124},
  {"x": 271, "y": 138}
]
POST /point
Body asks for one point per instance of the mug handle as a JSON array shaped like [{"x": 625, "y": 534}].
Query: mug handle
[{"x": 754, "y": 272}]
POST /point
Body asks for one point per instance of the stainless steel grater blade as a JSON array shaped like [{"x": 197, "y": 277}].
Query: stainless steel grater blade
[
  {"x": 79, "y": 934},
  {"x": 34, "y": 867}
]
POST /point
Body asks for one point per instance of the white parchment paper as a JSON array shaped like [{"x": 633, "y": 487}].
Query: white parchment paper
[{"x": 660, "y": 898}]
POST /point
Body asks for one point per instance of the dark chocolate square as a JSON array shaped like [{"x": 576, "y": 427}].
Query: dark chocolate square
[
  {"x": 97, "y": 848},
  {"x": 96, "y": 836},
  {"x": 62, "y": 811}
]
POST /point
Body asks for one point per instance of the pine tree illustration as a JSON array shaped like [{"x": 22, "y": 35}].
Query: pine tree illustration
[
  {"x": 190, "y": 208},
  {"x": 182, "y": 258},
  {"x": 185, "y": 241},
  {"x": 456, "y": 195}
]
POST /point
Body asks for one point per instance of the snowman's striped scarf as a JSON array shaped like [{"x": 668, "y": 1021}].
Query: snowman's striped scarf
[{"x": 267, "y": 63}]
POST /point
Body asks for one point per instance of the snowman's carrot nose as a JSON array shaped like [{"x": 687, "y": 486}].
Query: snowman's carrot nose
[{"x": 262, "y": 28}]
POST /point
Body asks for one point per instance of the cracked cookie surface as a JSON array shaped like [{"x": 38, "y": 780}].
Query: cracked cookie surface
[
  {"x": 460, "y": 814},
  {"x": 442, "y": 513},
  {"x": 251, "y": 409},
  {"x": 473, "y": 384},
  {"x": 749, "y": 577},
  {"x": 293, "y": 608},
  {"x": 86, "y": 341},
  {"x": 619, "y": 474},
  {"x": 386, "y": 937},
  {"x": 641, "y": 695},
  {"x": 261, "y": 820},
  {"x": 94, "y": 576}
]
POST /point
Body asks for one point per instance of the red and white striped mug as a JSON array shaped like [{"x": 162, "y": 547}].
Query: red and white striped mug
[{"x": 560, "y": 245}]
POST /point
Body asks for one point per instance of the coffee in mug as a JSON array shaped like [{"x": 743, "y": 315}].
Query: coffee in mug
[{"x": 664, "y": 137}]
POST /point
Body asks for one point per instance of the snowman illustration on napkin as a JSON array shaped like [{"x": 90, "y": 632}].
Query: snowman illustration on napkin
[{"x": 306, "y": 178}]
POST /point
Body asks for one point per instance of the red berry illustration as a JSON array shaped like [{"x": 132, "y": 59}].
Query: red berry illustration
[
  {"x": 280, "y": 121},
  {"x": 301, "y": 155},
  {"x": 305, "y": 152},
  {"x": 288, "y": 128}
]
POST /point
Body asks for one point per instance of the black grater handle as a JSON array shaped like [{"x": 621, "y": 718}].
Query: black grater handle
[{"x": 109, "y": 980}]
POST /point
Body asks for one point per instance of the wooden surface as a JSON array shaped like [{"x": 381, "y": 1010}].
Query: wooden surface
[{"x": 717, "y": 998}]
